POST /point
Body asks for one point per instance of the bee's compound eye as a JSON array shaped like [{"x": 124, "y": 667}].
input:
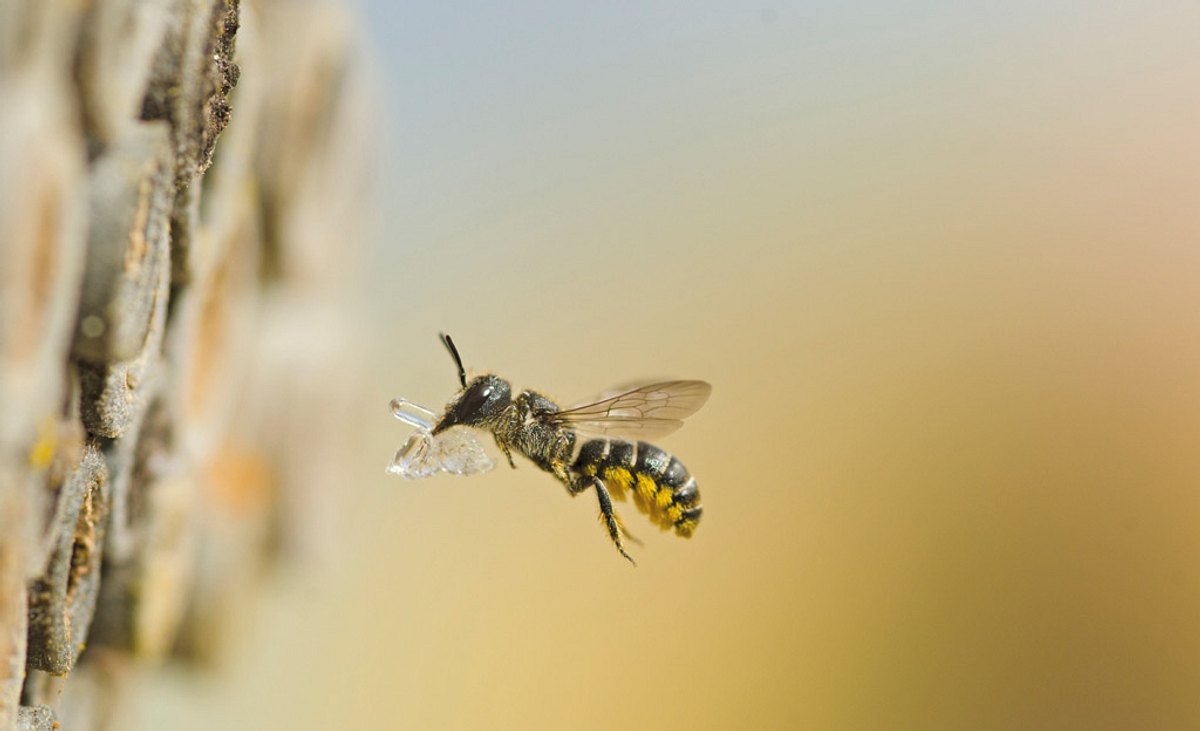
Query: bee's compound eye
[{"x": 474, "y": 401}]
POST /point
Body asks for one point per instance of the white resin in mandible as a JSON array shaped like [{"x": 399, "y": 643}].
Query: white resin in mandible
[
  {"x": 417, "y": 458},
  {"x": 460, "y": 453},
  {"x": 412, "y": 414},
  {"x": 455, "y": 450}
]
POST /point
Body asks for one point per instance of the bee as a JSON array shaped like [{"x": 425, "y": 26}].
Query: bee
[{"x": 594, "y": 445}]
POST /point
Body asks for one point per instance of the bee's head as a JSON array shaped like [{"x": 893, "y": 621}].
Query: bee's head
[{"x": 480, "y": 401}]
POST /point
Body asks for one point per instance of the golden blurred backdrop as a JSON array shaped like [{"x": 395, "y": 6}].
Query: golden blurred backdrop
[{"x": 940, "y": 264}]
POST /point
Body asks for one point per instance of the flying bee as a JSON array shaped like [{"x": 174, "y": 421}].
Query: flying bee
[{"x": 593, "y": 445}]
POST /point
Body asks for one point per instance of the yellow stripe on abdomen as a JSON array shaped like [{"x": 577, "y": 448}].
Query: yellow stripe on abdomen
[
  {"x": 658, "y": 483},
  {"x": 618, "y": 480}
]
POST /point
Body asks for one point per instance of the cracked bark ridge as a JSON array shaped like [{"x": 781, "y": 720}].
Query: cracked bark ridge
[
  {"x": 193, "y": 77},
  {"x": 129, "y": 246},
  {"x": 63, "y": 598}
]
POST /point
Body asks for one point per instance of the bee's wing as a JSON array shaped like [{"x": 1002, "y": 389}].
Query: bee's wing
[
  {"x": 644, "y": 412},
  {"x": 618, "y": 390}
]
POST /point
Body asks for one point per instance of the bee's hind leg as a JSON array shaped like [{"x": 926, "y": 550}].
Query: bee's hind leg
[
  {"x": 625, "y": 531},
  {"x": 611, "y": 522}
]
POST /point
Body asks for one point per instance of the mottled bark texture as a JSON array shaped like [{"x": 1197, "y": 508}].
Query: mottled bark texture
[{"x": 181, "y": 194}]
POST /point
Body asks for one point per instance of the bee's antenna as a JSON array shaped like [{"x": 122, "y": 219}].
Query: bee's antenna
[{"x": 462, "y": 374}]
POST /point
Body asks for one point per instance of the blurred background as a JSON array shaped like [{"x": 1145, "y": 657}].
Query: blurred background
[{"x": 939, "y": 262}]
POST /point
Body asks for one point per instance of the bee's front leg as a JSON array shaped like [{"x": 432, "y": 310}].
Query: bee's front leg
[{"x": 507, "y": 451}]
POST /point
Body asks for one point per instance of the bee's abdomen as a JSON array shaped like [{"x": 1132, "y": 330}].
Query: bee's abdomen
[{"x": 661, "y": 486}]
